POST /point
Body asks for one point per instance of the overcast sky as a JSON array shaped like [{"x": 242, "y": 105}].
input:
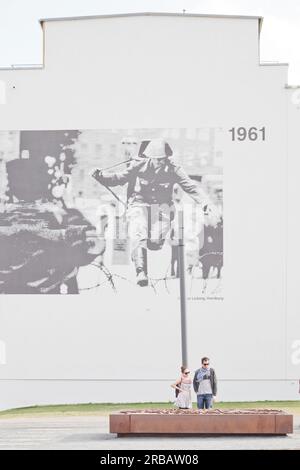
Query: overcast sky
[{"x": 21, "y": 39}]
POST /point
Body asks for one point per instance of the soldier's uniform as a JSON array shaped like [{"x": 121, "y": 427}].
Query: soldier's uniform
[{"x": 150, "y": 200}]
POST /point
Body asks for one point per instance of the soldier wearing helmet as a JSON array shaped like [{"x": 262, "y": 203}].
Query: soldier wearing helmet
[{"x": 150, "y": 199}]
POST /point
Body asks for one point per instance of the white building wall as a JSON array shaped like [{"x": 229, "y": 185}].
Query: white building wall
[
  {"x": 174, "y": 72},
  {"x": 293, "y": 234}
]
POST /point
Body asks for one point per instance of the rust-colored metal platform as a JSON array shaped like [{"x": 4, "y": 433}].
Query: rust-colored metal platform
[{"x": 215, "y": 421}]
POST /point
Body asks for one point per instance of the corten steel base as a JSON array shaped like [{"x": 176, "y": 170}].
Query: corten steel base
[{"x": 216, "y": 422}]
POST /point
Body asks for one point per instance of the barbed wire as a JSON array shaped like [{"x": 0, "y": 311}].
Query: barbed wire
[{"x": 153, "y": 281}]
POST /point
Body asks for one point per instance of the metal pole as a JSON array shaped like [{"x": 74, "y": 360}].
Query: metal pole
[{"x": 182, "y": 288}]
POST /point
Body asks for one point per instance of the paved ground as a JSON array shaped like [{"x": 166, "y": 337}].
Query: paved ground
[{"x": 91, "y": 432}]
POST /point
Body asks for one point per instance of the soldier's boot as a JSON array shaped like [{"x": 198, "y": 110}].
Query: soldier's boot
[{"x": 139, "y": 257}]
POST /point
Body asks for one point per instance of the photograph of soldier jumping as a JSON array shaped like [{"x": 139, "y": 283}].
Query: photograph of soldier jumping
[
  {"x": 151, "y": 178},
  {"x": 95, "y": 211}
]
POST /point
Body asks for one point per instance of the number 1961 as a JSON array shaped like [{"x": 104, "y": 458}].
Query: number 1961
[{"x": 253, "y": 133}]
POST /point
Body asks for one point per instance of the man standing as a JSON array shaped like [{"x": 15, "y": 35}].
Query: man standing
[
  {"x": 150, "y": 213},
  {"x": 205, "y": 384}
]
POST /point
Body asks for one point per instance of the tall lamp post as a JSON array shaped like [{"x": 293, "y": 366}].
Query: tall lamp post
[{"x": 184, "y": 353}]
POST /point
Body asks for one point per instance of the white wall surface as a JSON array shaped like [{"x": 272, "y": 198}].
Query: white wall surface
[
  {"x": 169, "y": 72},
  {"x": 293, "y": 234}
]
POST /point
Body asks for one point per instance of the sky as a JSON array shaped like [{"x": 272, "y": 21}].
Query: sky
[{"x": 21, "y": 38}]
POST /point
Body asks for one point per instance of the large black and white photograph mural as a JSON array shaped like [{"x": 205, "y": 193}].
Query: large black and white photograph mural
[{"x": 96, "y": 211}]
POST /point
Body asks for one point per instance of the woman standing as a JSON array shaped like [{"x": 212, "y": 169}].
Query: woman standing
[{"x": 183, "y": 389}]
